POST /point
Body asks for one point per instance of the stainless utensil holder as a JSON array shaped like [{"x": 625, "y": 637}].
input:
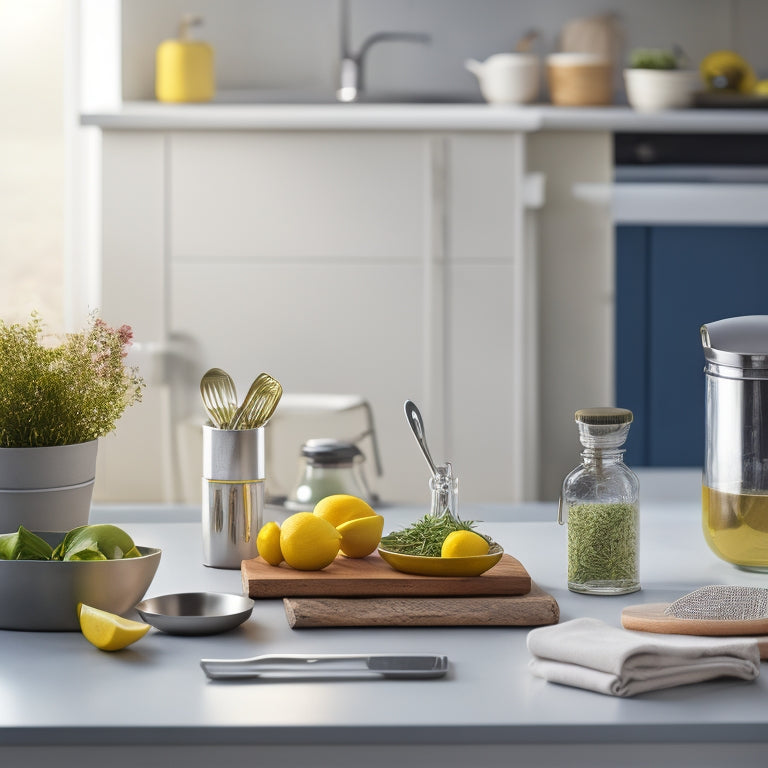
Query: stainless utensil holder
[{"x": 233, "y": 494}]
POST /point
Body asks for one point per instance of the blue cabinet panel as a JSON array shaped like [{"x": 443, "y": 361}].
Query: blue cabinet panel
[
  {"x": 690, "y": 276},
  {"x": 632, "y": 335}
]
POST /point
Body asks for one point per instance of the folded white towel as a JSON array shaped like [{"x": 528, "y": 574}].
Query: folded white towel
[{"x": 588, "y": 653}]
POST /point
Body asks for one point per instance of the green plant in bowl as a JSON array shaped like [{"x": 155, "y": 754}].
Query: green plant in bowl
[{"x": 653, "y": 58}]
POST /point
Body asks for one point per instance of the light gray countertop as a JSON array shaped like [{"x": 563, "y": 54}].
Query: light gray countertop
[
  {"x": 62, "y": 699},
  {"x": 420, "y": 117}
]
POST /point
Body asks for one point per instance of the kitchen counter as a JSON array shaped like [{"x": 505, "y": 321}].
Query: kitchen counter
[
  {"x": 416, "y": 117},
  {"x": 64, "y": 701}
]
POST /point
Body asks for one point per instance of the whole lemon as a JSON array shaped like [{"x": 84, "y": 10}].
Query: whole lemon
[
  {"x": 308, "y": 542},
  {"x": 268, "y": 543},
  {"x": 341, "y": 508},
  {"x": 464, "y": 544}
]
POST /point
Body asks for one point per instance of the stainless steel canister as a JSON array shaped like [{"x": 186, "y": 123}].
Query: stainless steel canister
[
  {"x": 735, "y": 480},
  {"x": 233, "y": 494}
]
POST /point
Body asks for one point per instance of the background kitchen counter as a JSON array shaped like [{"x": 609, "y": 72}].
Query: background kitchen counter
[
  {"x": 65, "y": 701},
  {"x": 432, "y": 117}
]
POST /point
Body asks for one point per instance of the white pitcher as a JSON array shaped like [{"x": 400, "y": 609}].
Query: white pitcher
[{"x": 507, "y": 78}]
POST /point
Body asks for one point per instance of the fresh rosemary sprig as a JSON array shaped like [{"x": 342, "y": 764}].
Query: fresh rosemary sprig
[{"x": 426, "y": 536}]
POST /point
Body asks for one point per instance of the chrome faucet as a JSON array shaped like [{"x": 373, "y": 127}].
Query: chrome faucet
[{"x": 351, "y": 74}]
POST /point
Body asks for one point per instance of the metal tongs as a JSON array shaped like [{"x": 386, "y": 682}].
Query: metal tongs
[{"x": 327, "y": 665}]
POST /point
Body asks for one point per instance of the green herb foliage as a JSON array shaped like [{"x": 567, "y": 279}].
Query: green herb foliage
[
  {"x": 426, "y": 536},
  {"x": 65, "y": 393},
  {"x": 652, "y": 58},
  {"x": 602, "y": 542}
]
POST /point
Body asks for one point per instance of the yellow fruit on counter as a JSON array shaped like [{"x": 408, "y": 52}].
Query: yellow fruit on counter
[
  {"x": 761, "y": 88},
  {"x": 268, "y": 543},
  {"x": 341, "y": 508},
  {"x": 107, "y": 631},
  {"x": 361, "y": 536},
  {"x": 464, "y": 544},
  {"x": 727, "y": 71},
  {"x": 308, "y": 542}
]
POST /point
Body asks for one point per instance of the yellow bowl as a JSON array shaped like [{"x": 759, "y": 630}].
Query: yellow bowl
[{"x": 443, "y": 566}]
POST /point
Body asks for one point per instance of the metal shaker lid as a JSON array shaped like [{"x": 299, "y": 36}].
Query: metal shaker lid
[
  {"x": 330, "y": 452},
  {"x": 737, "y": 342},
  {"x": 603, "y": 416}
]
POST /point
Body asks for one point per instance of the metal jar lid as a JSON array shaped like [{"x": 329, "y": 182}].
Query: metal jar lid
[
  {"x": 328, "y": 452},
  {"x": 737, "y": 342},
  {"x": 603, "y": 416}
]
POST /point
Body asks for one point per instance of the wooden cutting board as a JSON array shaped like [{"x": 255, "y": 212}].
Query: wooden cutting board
[
  {"x": 372, "y": 577},
  {"x": 533, "y": 609}
]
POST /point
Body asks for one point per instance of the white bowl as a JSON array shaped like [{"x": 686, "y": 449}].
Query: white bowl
[
  {"x": 652, "y": 90},
  {"x": 507, "y": 78}
]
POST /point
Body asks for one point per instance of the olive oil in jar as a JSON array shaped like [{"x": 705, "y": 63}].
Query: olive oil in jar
[{"x": 736, "y": 527}]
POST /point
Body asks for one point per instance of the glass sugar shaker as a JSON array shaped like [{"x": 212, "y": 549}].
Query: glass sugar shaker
[{"x": 600, "y": 499}]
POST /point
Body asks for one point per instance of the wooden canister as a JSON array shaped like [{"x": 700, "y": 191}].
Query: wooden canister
[{"x": 579, "y": 80}]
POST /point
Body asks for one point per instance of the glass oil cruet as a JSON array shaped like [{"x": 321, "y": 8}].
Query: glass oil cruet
[
  {"x": 600, "y": 498},
  {"x": 735, "y": 478}
]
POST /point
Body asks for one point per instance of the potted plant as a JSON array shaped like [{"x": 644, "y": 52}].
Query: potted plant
[
  {"x": 655, "y": 80},
  {"x": 57, "y": 397}
]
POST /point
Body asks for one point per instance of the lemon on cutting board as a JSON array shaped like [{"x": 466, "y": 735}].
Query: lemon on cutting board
[
  {"x": 356, "y": 520},
  {"x": 464, "y": 544},
  {"x": 340, "y": 508},
  {"x": 268, "y": 543},
  {"x": 108, "y": 631},
  {"x": 308, "y": 543},
  {"x": 361, "y": 536}
]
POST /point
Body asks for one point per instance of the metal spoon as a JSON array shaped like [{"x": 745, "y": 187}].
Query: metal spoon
[
  {"x": 259, "y": 404},
  {"x": 219, "y": 397},
  {"x": 417, "y": 425}
]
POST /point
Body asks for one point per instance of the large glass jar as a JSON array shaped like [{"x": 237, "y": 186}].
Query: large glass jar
[
  {"x": 328, "y": 467},
  {"x": 735, "y": 480},
  {"x": 600, "y": 501}
]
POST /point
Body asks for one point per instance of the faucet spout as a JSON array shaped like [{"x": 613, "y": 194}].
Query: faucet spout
[{"x": 351, "y": 72}]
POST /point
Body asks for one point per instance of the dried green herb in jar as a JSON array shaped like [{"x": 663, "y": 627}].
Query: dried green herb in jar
[{"x": 602, "y": 542}]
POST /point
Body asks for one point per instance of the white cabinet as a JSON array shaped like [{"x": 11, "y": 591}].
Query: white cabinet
[{"x": 390, "y": 265}]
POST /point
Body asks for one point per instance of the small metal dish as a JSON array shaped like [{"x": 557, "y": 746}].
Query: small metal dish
[{"x": 195, "y": 613}]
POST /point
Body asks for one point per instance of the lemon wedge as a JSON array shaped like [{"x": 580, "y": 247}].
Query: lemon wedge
[
  {"x": 361, "y": 536},
  {"x": 108, "y": 631}
]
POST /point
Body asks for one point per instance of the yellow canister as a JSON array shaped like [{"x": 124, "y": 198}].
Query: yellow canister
[{"x": 184, "y": 70}]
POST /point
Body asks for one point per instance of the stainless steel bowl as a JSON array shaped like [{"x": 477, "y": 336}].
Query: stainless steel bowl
[
  {"x": 42, "y": 595},
  {"x": 196, "y": 613}
]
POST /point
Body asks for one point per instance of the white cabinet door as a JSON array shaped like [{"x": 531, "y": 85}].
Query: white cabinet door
[{"x": 386, "y": 265}]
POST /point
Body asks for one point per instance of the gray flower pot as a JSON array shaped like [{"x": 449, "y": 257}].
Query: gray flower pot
[{"x": 47, "y": 489}]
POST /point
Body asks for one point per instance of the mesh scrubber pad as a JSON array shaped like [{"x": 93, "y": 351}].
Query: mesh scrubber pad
[{"x": 721, "y": 602}]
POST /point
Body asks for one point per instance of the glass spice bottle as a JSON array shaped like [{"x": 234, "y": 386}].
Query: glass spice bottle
[
  {"x": 600, "y": 498},
  {"x": 444, "y": 486}
]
